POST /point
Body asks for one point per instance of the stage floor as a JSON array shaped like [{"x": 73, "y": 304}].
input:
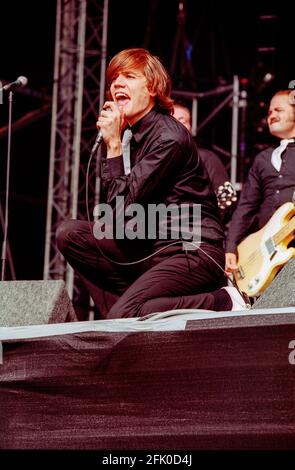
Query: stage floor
[{"x": 193, "y": 380}]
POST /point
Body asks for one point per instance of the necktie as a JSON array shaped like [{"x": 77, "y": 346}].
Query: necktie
[
  {"x": 127, "y": 136},
  {"x": 276, "y": 159}
]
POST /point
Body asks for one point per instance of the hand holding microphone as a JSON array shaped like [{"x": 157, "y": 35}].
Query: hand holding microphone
[
  {"x": 104, "y": 113},
  {"x": 109, "y": 124},
  {"x": 99, "y": 137}
]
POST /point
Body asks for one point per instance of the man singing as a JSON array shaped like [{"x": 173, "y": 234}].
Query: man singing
[{"x": 128, "y": 276}]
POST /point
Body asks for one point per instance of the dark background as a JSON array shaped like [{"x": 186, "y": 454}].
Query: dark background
[{"x": 223, "y": 39}]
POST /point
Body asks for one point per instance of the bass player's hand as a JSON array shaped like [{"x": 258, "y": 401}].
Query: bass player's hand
[{"x": 230, "y": 262}]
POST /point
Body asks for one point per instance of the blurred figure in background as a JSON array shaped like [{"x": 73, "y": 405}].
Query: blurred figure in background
[{"x": 218, "y": 176}]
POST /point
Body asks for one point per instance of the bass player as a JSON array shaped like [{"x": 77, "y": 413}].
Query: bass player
[{"x": 271, "y": 179}]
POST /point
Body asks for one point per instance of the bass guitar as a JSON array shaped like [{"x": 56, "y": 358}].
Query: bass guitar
[{"x": 262, "y": 254}]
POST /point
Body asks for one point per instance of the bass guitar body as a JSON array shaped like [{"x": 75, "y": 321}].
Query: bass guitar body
[{"x": 262, "y": 254}]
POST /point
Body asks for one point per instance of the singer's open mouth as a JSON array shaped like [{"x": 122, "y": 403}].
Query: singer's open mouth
[{"x": 122, "y": 98}]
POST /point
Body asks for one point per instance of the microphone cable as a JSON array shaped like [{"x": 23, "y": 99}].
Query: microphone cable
[{"x": 228, "y": 277}]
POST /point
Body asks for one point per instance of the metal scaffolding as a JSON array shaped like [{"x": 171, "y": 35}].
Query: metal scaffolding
[{"x": 78, "y": 94}]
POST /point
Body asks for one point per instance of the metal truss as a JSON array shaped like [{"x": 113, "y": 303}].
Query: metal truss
[{"x": 78, "y": 92}]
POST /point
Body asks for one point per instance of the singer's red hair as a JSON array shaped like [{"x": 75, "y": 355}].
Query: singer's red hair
[{"x": 158, "y": 80}]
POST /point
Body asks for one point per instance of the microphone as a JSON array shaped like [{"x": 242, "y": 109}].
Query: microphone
[
  {"x": 97, "y": 143},
  {"x": 99, "y": 137},
  {"x": 19, "y": 83}
]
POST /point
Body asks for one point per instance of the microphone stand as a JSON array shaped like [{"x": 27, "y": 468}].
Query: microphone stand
[{"x": 5, "y": 230}]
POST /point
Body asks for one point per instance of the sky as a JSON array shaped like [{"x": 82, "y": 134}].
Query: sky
[{"x": 219, "y": 40}]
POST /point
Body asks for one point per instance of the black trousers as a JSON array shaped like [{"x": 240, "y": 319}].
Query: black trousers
[{"x": 171, "y": 279}]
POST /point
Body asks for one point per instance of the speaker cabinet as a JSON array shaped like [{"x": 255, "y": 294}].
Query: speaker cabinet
[
  {"x": 34, "y": 303},
  {"x": 281, "y": 292}
]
